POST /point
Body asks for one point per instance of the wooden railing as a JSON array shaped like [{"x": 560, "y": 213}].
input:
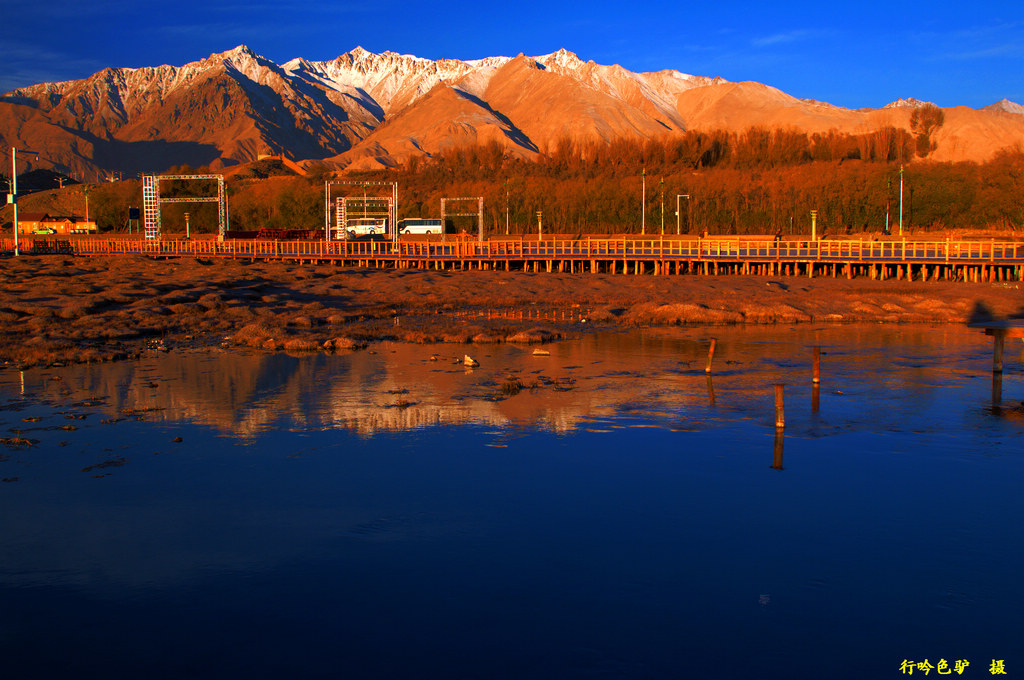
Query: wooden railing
[{"x": 754, "y": 249}]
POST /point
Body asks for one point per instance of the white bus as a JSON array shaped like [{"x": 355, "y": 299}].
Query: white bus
[
  {"x": 419, "y": 225},
  {"x": 367, "y": 226}
]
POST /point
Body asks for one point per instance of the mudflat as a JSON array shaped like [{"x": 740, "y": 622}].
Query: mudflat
[{"x": 57, "y": 309}]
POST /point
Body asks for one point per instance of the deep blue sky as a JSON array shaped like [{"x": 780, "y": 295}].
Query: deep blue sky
[{"x": 854, "y": 54}]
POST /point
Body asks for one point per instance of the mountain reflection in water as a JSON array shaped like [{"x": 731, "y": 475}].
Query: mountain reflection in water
[{"x": 397, "y": 386}]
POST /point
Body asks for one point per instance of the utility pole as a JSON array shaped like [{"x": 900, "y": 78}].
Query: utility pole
[
  {"x": 643, "y": 202},
  {"x": 662, "y": 205},
  {"x": 687, "y": 197},
  {"x": 901, "y": 200}
]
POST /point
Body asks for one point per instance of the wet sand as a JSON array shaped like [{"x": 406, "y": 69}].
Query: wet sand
[{"x": 58, "y": 309}]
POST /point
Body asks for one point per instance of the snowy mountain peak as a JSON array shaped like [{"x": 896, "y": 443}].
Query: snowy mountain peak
[
  {"x": 562, "y": 58},
  {"x": 1005, "y": 105},
  {"x": 908, "y": 103},
  {"x": 244, "y": 60},
  {"x": 240, "y": 51},
  {"x": 296, "y": 64}
]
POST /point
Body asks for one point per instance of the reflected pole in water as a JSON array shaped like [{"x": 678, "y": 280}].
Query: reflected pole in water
[
  {"x": 780, "y": 407},
  {"x": 997, "y": 389},
  {"x": 815, "y": 378},
  {"x": 711, "y": 392},
  {"x": 777, "y": 456}
]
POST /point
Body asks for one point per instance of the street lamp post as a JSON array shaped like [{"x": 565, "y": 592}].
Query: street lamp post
[
  {"x": 888, "y": 196},
  {"x": 687, "y": 197},
  {"x": 12, "y": 197}
]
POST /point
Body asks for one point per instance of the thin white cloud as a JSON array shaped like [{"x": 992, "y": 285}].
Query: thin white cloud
[
  {"x": 994, "y": 52},
  {"x": 977, "y": 42},
  {"x": 781, "y": 38}
]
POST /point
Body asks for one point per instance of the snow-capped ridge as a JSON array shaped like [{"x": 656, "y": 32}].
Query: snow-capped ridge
[
  {"x": 906, "y": 103},
  {"x": 1006, "y": 106},
  {"x": 562, "y": 58},
  {"x": 245, "y": 61},
  {"x": 231, "y": 106}
]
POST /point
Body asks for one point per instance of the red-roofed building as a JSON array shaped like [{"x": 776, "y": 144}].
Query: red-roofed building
[{"x": 44, "y": 223}]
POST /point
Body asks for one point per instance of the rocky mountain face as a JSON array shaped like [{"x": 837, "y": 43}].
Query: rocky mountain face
[
  {"x": 366, "y": 110},
  {"x": 1006, "y": 106}
]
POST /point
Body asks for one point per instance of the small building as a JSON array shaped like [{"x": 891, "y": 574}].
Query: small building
[{"x": 43, "y": 223}]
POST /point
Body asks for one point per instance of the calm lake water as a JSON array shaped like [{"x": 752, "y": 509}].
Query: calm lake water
[{"x": 393, "y": 514}]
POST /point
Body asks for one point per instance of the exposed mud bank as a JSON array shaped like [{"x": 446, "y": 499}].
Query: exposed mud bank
[{"x": 64, "y": 309}]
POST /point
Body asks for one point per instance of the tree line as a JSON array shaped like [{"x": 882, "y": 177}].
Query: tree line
[{"x": 756, "y": 181}]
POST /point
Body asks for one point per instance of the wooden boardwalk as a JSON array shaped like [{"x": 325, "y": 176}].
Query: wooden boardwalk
[{"x": 949, "y": 259}]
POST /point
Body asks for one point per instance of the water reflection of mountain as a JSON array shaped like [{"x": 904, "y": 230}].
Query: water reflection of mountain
[
  {"x": 399, "y": 387},
  {"x": 396, "y": 388}
]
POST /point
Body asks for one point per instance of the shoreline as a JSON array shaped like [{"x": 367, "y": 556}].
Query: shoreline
[{"x": 60, "y": 309}]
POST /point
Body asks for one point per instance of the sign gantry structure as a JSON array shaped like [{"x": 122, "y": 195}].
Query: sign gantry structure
[
  {"x": 152, "y": 200},
  {"x": 479, "y": 214},
  {"x": 356, "y": 201}
]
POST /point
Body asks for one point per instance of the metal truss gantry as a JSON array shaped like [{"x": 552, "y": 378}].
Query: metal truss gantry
[
  {"x": 341, "y": 205},
  {"x": 151, "y": 201},
  {"x": 354, "y": 207},
  {"x": 479, "y": 214}
]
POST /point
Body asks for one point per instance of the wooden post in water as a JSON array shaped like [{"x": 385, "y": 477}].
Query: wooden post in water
[
  {"x": 711, "y": 354},
  {"x": 777, "y": 457},
  {"x": 997, "y": 353},
  {"x": 780, "y": 407},
  {"x": 816, "y": 370}
]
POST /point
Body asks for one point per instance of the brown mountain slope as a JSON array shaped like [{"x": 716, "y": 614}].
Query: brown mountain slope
[
  {"x": 737, "y": 106},
  {"x": 967, "y": 134},
  {"x": 549, "y": 106},
  {"x": 26, "y": 128},
  {"x": 443, "y": 119},
  {"x": 521, "y": 105},
  {"x": 970, "y": 134},
  {"x": 219, "y": 111}
]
